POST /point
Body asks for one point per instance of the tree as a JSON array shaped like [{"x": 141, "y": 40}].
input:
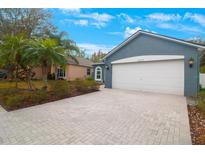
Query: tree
[
  {"x": 68, "y": 44},
  {"x": 31, "y": 22},
  {"x": 11, "y": 49},
  {"x": 46, "y": 52},
  {"x": 81, "y": 53},
  {"x": 97, "y": 56},
  {"x": 28, "y": 39},
  {"x": 201, "y": 52},
  {"x": 70, "y": 47}
]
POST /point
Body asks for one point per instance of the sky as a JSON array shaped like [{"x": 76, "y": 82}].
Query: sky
[{"x": 103, "y": 29}]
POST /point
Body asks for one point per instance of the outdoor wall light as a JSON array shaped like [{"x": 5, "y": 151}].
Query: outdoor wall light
[
  {"x": 191, "y": 62},
  {"x": 107, "y": 67}
]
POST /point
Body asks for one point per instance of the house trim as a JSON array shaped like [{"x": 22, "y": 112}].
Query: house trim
[{"x": 148, "y": 58}]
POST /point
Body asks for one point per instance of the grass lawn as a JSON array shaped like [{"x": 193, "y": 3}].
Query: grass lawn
[{"x": 12, "y": 98}]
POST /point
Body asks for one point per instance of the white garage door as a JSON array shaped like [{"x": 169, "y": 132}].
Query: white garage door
[{"x": 166, "y": 76}]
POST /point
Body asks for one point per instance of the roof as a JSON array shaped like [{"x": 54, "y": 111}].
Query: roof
[
  {"x": 148, "y": 58},
  {"x": 80, "y": 61},
  {"x": 133, "y": 36},
  {"x": 100, "y": 63}
]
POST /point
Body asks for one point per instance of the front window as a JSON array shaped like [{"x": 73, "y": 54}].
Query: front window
[
  {"x": 88, "y": 71},
  {"x": 61, "y": 73}
]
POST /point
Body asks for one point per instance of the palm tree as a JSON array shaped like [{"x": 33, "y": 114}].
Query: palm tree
[
  {"x": 69, "y": 45},
  {"x": 11, "y": 48},
  {"x": 27, "y": 63},
  {"x": 46, "y": 52}
]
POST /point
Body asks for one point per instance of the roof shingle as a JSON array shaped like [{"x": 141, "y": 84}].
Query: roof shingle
[{"x": 80, "y": 61}]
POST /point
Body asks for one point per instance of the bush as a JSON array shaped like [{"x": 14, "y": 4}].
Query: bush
[
  {"x": 201, "y": 89},
  {"x": 60, "y": 88},
  {"x": 202, "y": 69},
  {"x": 51, "y": 76},
  {"x": 85, "y": 86},
  {"x": 23, "y": 98},
  {"x": 13, "y": 101},
  {"x": 201, "y": 105},
  {"x": 9, "y": 91},
  {"x": 89, "y": 78},
  {"x": 201, "y": 101},
  {"x": 38, "y": 96},
  {"x": 11, "y": 98}
]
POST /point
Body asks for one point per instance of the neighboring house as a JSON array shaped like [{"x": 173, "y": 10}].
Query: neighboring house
[
  {"x": 81, "y": 69},
  {"x": 152, "y": 62}
]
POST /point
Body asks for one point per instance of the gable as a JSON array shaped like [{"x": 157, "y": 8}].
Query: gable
[{"x": 145, "y": 41}]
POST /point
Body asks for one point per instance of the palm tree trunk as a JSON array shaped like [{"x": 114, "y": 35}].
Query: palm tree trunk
[
  {"x": 16, "y": 76},
  {"x": 44, "y": 74},
  {"x": 46, "y": 80},
  {"x": 29, "y": 79}
]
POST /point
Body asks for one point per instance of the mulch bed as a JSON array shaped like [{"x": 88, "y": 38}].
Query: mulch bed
[{"x": 197, "y": 125}]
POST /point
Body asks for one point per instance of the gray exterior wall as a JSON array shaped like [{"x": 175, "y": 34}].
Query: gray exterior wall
[{"x": 150, "y": 45}]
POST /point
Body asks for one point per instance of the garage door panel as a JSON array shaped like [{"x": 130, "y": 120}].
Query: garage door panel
[{"x": 160, "y": 76}]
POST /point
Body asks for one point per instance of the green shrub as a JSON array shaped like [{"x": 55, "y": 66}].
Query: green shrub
[
  {"x": 201, "y": 105},
  {"x": 89, "y": 78},
  {"x": 87, "y": 85},
  {"x": 9, "y": 91},
  {"x": 201, "y": 101},
  {"x": 60, "y": 88},
  {"x": 202, "y": 69},
  {"x": 201, "y": 88},
  {"x": 16, "y": 100},
  {"x": 38, "y": 96},
  {"x": 13, "y": 101},
  {"x": 51, "y": 76}
]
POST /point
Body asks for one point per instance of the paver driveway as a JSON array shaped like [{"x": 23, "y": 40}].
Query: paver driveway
[{"x": 106, "y": 117}]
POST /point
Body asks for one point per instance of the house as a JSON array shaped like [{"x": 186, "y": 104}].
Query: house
[
  {"x": 152, "y": 62},
  {"x": 80, "y": 68}
]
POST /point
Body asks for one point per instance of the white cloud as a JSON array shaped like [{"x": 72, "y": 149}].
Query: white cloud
[
  {"x": 180, "y": 27},
  {"x": 91, "y": 48},
  {"x": 126, "y": 18},
  {"x": 115, "y": 33},
  {"x": 98, "y": 17},
  {"x": 129, "y": 31},
  {"x": 98, "y": 24},
  {"x": 95, "y": 19},
  {"x": 198, "y": 18},
  {"x": 166, "y": 26},
  {"x": 70, "y": 10},
  {"x": 80, "y": 22},
  {"x": 164, "y": 17}
]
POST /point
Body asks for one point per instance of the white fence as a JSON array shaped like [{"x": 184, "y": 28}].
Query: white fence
[{"x": 202, "y": 80}]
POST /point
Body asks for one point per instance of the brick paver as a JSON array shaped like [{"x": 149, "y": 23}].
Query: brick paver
[
  {"x": 105, "y": 117},
  {"x": 1, "y": 109}
]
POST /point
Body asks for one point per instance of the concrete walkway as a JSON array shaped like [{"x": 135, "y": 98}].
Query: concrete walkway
[{"x": 105, "y": 117}]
